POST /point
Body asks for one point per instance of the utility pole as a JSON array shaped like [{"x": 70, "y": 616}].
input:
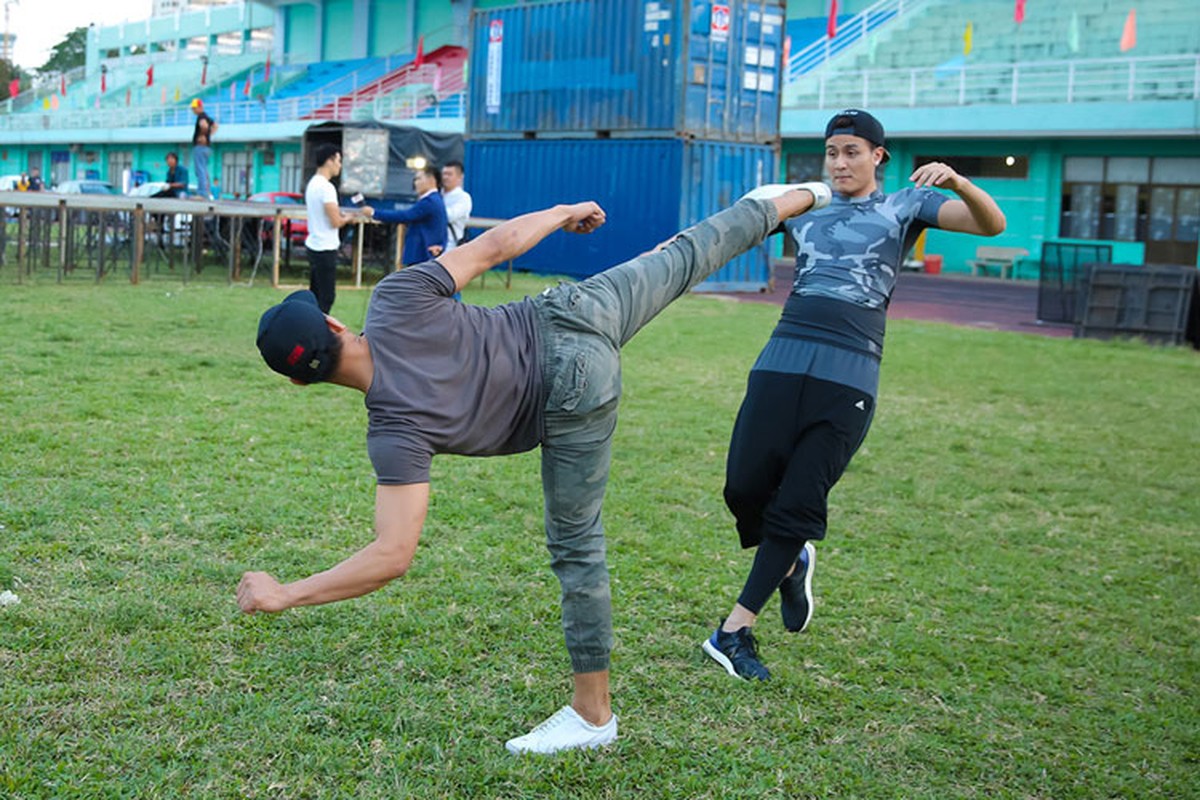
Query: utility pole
[{"x": 8, "y": 47}]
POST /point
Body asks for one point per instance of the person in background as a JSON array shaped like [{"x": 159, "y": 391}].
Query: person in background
[
  {"x": 35, "y": 180},
  {"x": 458, "y": 204},
  {"x": 202, "y": 135},
  {"x": 810, "y": 396},
  {"x": 177, "y": 178},
  {"x": 325, "y": 218},
  {"x": 425, "y": 238}
]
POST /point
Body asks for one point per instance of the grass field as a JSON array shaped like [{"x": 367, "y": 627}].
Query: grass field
[{"x": 1008, "y": 600}]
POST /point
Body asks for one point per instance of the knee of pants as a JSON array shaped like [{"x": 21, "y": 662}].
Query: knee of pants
[{"x": 797, "y": 518}]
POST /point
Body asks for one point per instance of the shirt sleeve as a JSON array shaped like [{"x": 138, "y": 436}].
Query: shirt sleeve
[
  {"x": 928, "y": 202},
  {"x": 399, "y": 456},
  {"x": 418, "y": 210},
  {"x": 328, "y": 194}
]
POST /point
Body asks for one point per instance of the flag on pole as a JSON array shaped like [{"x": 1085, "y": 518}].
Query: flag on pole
[
  {"x": 1129, "y": 35},
  {"x": 103, "y": 82},
  {"x": 831, "y": 24},
  {"x": 1019, "y": 11},
  {"x": 128, "y": 96},
  {"x": 45, "y": 103},
  {"x": 164, "y": 94},
  {"x": 420, "y": 59},
  {"x": 1073, "y": 33},
  {"x": 54, "y": 102},
  {"x": 62, "y": 86},
  {"x": 267, "y": 70},
  {"x": 204, "y": 73},
  {"x": 150, "y": 76},
  {"x": 177, "y": 94},
  {"x": 246, "y": 87},
  {"x": 14, "y": 87},
  {"x": 969, "y": 39}
]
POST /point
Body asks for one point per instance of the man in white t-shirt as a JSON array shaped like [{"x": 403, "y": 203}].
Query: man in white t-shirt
[
  {"x": 324, "y": 219},
  {"x": 458, "y": 203}
]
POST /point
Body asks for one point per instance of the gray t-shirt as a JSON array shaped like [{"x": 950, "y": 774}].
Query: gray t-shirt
[{"x": 449, "y": 377}]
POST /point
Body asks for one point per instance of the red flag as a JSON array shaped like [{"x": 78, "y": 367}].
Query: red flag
[
  {"x": 1019, "y": 11},
  {"x": 204, "y": 74},
  {"x": 420, "y": 59},
  {"x": 14, "y": 87},
  {"x": 246, "y": 88},
  {"x": 831, "y": 26},
  {"x": 62, "y": 86},
  {"x": 1129, "y": 35},
  {"x": 103, "y": 82},
  {"x": 267, "y": 71},
  {"x": 128, "y": 96},
  {"x": 150, "y": 75}
]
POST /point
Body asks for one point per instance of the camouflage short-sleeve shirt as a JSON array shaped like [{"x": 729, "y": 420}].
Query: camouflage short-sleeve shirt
[
  {"x": 847, "y": 258},
  {"x": 851, "y": 249}
]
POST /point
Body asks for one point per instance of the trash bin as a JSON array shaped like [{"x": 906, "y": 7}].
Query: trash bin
[{"x": 933, "y": 265}]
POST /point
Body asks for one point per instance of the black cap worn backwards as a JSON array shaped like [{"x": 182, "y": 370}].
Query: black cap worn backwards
[
  {"x": 856, "y": 122},
  {"x": 294, "y": 339}
]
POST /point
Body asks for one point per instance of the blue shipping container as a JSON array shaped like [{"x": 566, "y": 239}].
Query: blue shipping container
[
  {"x": 636, "y": 68},
  {"x": 650, "y": 189}
]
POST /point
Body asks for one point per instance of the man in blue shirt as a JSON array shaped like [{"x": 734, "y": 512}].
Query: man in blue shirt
[{"x": 425, "y": 238}]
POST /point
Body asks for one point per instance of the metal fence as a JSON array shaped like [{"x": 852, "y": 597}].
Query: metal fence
[
  {"x": 47, "y": 237},
  {"x": 1081, "y": 81},
  {"x": 69, "y": 238}
]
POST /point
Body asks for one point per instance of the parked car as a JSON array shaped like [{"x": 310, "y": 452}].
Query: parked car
[{"x": 295, "y": 229}]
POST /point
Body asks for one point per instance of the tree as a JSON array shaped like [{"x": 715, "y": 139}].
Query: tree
[
  {"x": 8, "y": 71},
  {"x": 71, "y": 52}
]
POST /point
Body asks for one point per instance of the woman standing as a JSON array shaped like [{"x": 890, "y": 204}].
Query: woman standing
[{"x": 810, "y": 396}]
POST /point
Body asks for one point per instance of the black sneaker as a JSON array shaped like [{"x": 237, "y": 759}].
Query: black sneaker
[
  {"x": 737, "y": 652},
  {"x": 796, "y": 601}
]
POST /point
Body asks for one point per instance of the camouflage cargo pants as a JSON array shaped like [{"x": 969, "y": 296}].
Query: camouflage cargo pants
[{"x": 582, "y": 328}]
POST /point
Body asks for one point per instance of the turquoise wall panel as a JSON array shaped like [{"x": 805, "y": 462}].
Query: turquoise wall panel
[
  {"x": 300, "y": 37},
  {"x": 338, "y": 30}
]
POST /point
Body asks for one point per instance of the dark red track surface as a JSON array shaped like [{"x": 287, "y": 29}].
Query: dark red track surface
[{"x": 992, "y": 303}]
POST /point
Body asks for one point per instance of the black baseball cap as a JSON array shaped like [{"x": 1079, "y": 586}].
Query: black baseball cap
[
  {"x": 294, "y": 339},
  {"x": 856, "y": 122}
]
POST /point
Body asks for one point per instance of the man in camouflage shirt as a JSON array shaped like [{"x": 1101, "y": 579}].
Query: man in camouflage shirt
[{"x": 810, "y": 396}]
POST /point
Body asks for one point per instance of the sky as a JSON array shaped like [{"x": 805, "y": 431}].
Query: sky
[{"x": 41, "y": 24}]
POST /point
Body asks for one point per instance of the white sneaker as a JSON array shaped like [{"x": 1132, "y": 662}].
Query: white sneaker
[
  {"x": 566, "y": 730},
  {"x": 822, "y": 194}
]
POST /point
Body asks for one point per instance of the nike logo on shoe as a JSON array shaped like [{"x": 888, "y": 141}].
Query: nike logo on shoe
[{"x": 860, "y": 405}]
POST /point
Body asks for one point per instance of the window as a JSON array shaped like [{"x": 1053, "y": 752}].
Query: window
[
  {"x": 237, "y": 174},
  {"x": 1011, "y": 166},
  {"x": 118, "y": 162},
  {"x": 289, "y": 172},
  {"x": 1134, "y": 199}
]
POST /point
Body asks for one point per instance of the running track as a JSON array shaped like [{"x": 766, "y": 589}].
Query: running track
[{"x": 958, "y": 299}]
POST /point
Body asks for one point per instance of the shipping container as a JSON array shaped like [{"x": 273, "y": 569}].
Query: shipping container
[
  {"x": 627, "y": 68},
  {"x": 649, "y": 188}
]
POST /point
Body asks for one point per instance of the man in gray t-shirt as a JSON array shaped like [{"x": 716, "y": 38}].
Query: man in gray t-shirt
[{"x": 445, "y": 377}]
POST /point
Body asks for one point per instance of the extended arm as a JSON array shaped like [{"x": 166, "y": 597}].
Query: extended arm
[
  {"x": 399, "y": 516},
  {"x": 339, "y": 218},
  {"x": 976, "y": 212},
  {"x": 417, "y": 211},
  {"x": 516, "y": 236}
]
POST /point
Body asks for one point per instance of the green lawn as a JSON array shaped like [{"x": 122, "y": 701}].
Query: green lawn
[{"x": 1008, "y": 601}]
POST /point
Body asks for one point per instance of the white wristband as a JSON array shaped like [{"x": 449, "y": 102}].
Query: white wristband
[{"x": 822, "y": 194}]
